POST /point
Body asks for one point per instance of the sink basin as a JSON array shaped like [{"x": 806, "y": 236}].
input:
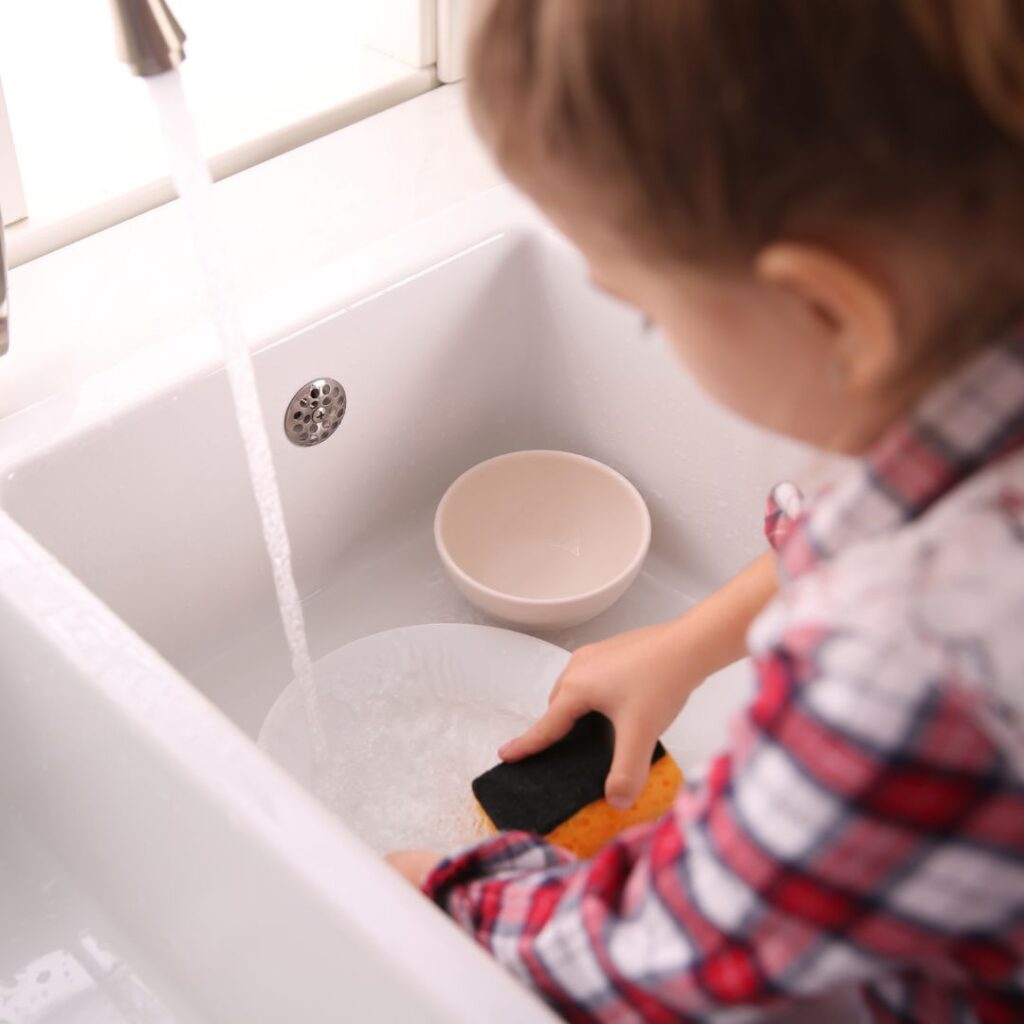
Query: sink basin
[{"x": 140, "y": 648}]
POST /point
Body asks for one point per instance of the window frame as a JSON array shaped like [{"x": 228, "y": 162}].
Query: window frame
[{"x": 423, "y": 35}]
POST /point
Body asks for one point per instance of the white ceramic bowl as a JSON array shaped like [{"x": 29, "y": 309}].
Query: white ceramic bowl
[{"x": 542, "y": 539}]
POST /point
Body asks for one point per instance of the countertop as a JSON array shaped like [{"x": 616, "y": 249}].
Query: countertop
[{"x": 90, "y": 305}]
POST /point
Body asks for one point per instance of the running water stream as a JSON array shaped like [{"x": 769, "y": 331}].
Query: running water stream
[{"x": 195, "y": 188}]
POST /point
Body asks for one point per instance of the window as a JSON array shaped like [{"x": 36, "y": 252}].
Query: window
[{"x": 262, "y": 78}]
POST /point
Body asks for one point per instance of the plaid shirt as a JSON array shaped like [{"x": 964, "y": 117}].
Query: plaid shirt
[{"x": 865, "y": 827}]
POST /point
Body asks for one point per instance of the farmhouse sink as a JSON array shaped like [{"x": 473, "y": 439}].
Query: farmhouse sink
[{"x": 140, "y": 645}]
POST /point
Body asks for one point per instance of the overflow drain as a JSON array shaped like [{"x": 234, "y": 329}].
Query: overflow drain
[{"x": 315, "y": 411}]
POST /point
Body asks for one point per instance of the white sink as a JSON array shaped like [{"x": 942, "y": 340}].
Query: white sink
[{"x": 139, "y": 642}]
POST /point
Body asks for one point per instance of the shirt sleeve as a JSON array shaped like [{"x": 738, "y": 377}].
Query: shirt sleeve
[
  {"x": 784, "y": 508},
  {"x": 816, "y": 854}
]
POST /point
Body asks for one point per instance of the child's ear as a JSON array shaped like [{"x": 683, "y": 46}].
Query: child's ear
[{"x": 853, "y": 314}]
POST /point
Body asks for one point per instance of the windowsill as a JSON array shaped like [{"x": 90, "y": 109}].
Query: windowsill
[{"x": 88, "y": 141}]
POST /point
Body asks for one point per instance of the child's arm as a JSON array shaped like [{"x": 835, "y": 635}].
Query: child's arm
[
  {"x": 859, "y": 827},
  {"x": 642, "y": 679}
]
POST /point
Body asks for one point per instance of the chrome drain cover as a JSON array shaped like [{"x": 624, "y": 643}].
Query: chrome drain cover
[{"x": 315, "y": 411}]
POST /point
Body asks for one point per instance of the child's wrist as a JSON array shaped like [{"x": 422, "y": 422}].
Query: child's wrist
[{"x": 696, "y": 649}]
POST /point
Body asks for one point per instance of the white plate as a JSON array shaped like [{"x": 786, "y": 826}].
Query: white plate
[{"x": 411, "y": 716}]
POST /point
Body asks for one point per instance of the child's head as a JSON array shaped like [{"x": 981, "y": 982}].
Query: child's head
[{"x": 820, "y": 201}]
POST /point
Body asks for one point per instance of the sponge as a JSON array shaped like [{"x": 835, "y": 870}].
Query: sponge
[{"x": 559, "y": 793}]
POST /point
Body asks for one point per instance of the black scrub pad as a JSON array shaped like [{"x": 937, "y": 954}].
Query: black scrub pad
[{"x": 544, "y": 790}]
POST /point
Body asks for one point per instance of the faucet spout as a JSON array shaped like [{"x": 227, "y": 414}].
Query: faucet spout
[
  {"x": 149, "y": 39},
  {"x": 3, "y": 290}
]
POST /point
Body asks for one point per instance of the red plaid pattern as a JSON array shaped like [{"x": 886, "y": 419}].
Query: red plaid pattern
[{"x": 865, "y": 830}]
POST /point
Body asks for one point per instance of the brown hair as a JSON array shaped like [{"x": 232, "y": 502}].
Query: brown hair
[{"x": 709, "y": 127}]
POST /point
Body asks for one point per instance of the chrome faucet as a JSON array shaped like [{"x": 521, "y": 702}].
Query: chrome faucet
[
  {"x": 3, "y": 290},
  {"x": 150, "y": 41}
]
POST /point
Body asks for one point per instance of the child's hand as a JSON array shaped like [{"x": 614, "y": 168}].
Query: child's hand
[
  {"x": 640, "y": 680},
  {"x": 414, "y": 865}
]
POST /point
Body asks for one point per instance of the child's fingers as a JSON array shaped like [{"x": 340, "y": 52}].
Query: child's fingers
[
  {"x": 631, "y": 764},
  {"x": 414, "y": 865},
  {"x": 552, "y": 696},
  {"x": 552, "y": 726}
]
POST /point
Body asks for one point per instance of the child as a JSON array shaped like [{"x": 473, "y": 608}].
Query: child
[{"x": 821, "y": 202}]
